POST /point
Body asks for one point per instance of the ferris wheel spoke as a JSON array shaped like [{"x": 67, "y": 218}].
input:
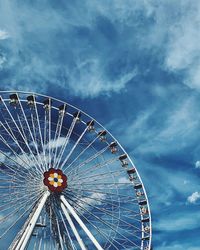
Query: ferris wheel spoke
[
  {"x": 17, "y": 156},
  {"x": 37, "y": 139},
  {"x": 25, "y": 137},
  {"x": 57, "y": 136},
  {"x": 59, "y": 234},
  {"x": 15, "y": 177},
  {"x": 10, "y": 133},
  {"x": 17, "y": 170},
  {"x": 94, "y": 178},
  {"x": 62, "y": 150},
  {"x": 88, "y": 160},
  {"x": 105, "y": 223},
  {"x": 16, "y": 221},
  {"x": 73, "y": 148},
  {"x": 114, "y": 203},
  {"x": 82, "y": 225},
  {"x": 21, "y": 205},
  {"x": 49, "y": 134},
  {"x": 20, "y": 132},
  {"x": 3, "y": 140},
  {"x": 102, "y": 191},
  {"x": 104, "y": 211},
  {"x": 7, "y": 200},
  {"x": 97, "y": 229},
  {"x": 82, "y": 152},
  {"x": 31, "y": 134},
  {"x": 26, "y": 234},
  {"x": 12, "y": 197},
  {"x": 108, "y": 184},
  {"x": 85, "y": 174},
  {"x": 89, "y": 201},
  {"x": 11, "y": 180},
  {"x": 36, "y": 116},
  {"x": 67, "y": 231}
]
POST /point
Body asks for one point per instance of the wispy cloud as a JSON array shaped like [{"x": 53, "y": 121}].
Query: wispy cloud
[
  {"x": 172, "y": 130},
  {"x": 136, "y": 64},
  {"x": 3, "y": 34},
  {"x": 179, "y": 222},
  {"x": 197, "y": 164},
  {"x": 194, "y": 197}
]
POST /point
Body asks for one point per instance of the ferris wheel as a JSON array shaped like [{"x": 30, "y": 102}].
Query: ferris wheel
[{"x": 65, "y": 181}]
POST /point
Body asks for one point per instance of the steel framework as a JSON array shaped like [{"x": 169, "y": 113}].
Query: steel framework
[{"x": 65, "y": 181}]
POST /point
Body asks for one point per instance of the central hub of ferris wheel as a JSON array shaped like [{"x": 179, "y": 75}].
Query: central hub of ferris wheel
[{"x": 55, "y": 180}]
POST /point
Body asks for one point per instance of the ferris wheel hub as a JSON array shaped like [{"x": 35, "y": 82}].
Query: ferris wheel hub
[{"x": 55, "y": 180}]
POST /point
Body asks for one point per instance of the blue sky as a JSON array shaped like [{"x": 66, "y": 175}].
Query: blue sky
[{"x": 134, "y": 66}]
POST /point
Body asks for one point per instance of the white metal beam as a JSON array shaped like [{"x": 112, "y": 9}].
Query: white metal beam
[
  {"x": 82, "y": 245},
  {"x": 22, "y": 243},
  {"x": 80, "y": 222}
]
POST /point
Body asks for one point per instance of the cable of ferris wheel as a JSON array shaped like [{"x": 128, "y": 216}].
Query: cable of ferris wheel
[
  {"x": 100, "y": 232},
  {"x": 19, "y": 208},
  {"x": 78, "y": 238},
  {"x": 28, "y": 126},
  {"x": 49, "y": 135},
  {"x": 105, "y": 201},
  {"x": 58, "y": 133},
  {"x": 18, "y": 218},
  {"x": 106, "y": 212},
  {"x": 101, "y": 192},
  {"x": 68, "y": 234},
  {"x": 20, "y": 133},
  {"x": 84, "y": 173},
  {"x": 16, "y": 141},
  {"x": 40, "y": 131},
  {"x": 91, "y": 158},
  {"x": 82, "y": 225},
  {"x": 28, "y": 231},
  {"x": 19, "y": 171},
  {"x": 62, "y": 150},
  {"x": 107, "y": 224},
  {"x": 59, "y": 234},
  {"x": 73, "y": 148},
  {"x": 83, "y": 151},
  {"x": 33, "y": 174}
]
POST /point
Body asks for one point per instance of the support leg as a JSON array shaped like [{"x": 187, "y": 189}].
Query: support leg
[
  {"x": 24, "y": 239},
  {"x": 73, "y": 227},
  {"x": 80, "y": 222}
]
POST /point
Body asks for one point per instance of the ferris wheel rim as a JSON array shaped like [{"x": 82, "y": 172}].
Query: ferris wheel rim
[{"x": 45, "y": 96}]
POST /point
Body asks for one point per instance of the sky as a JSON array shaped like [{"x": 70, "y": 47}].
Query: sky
[{"x": 135, "y": 67}]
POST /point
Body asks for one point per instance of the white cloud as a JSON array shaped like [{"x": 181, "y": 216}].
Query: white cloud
[
  {"x": 3, "y": 34},
  {"x": 2, "y": 61},
  {"x": 180, "y": 31},
  {"x": 176, "y": 246},
  {"x": 181, "y": 220},
  {"x": 173, "y": 132},
  {"x": 55, "y": 143},
  {"x": 197, "y": 164},
  {"x": 194, "y": 197},
  {"x": 88, "y": 202},
  {"x": 93, "y": 82},
  {"x": 82, "y": 73}
]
